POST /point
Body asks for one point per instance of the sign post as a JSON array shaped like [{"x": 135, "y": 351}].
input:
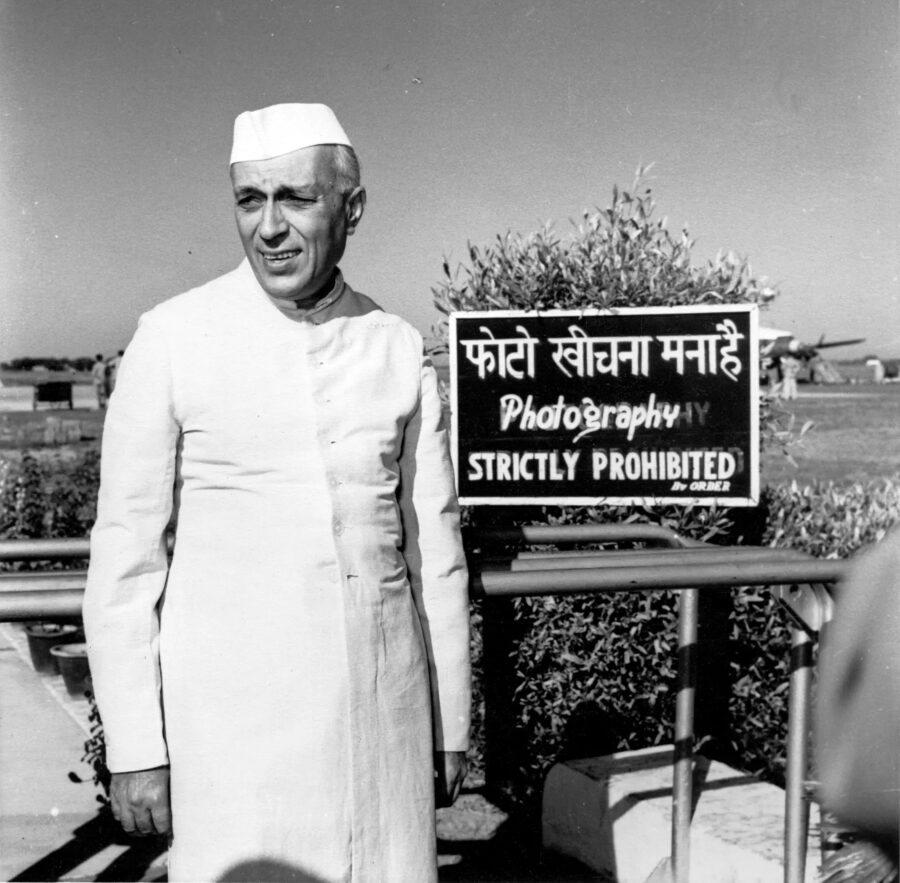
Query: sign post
[{"x": 643, "y": 405}]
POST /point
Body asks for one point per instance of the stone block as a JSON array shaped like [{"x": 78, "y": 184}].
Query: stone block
[{"x": 613, "y": 814}]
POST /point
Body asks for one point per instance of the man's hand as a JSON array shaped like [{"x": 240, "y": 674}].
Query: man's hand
[
  {"x": 450, "y": 771},
  {"x": 140, "y": 801}
]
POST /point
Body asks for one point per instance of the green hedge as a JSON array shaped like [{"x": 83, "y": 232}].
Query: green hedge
[
  {"x": 49, "y": 498},
  {"x": 582, "y": 675},
  {"x": 826, "y": 520}
]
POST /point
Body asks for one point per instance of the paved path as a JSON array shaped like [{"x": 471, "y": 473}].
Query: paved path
[{"x": 50, "y": 828}]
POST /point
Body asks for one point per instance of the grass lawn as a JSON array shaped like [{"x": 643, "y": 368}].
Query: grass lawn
[{"x": 855, "y": 435}]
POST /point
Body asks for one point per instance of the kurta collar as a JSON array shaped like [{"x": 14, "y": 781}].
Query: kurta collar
[{"x": 321, "y": 312}]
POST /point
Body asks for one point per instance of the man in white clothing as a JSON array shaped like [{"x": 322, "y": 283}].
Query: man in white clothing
[{"x": 287, "y": 690}]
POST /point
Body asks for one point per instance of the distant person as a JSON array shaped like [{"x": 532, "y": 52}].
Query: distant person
[
  {"x": 858, "y": 701},
  {"x": 295, "y": 685},
  {"x": 816, "y": 370},
  {"x": 877, "y": 367},
  {"x": 772, "y": 374},
  {"x": 112, "y": 370},
  {"x": 790, "y": 368},
  {"x": 98, "y": 377}
]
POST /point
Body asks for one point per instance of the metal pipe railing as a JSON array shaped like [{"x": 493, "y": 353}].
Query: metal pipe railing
[
  {"x": 554, "y": 534},
  {"x": 698, "y": 565},
  {"x": 647, "y": 577},
  {"x": 60, "y": 549},
  {"x": 675, "y": 563},
  {"x": 40, "y": 550},
  {"x": 42, "y": 581},
  {"x": 635, "y": 557},
  {"x": 43, "y": 604}
]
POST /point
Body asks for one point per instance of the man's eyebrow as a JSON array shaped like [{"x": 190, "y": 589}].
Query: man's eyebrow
[{"x": 307, "y": 190}]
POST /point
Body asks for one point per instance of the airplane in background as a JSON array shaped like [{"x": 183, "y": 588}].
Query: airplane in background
[{"x": 774, "y": 344}]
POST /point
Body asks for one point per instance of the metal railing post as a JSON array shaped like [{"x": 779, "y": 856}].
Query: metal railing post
[
  {"x": 683, "y": 773},
  {"x": 796, "y": 806}
]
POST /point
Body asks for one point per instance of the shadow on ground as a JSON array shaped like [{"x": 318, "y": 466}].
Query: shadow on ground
[
  {"x": 505, "y": 851},
  {"x": 89, "y": 840},
  {"x": 511, "y": 856},
  {"x": 479, "y": 843}
]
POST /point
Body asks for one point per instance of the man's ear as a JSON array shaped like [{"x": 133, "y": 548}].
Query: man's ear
[{"x": 354, "y": 206}]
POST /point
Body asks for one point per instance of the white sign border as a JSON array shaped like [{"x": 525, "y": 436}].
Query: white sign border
[{"x": 735, "y": 502}]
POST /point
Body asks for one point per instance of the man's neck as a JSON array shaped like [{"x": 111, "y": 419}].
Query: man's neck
[{"x": 302, "y": 307}]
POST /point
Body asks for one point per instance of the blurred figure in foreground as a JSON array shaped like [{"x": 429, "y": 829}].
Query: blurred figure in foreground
[{"x": 858, "y": 715}]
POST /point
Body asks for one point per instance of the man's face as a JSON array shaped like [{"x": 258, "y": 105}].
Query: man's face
[{"x": 292, "y": 221}]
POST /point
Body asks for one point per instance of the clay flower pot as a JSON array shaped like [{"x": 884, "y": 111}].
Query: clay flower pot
[
  {"x": 73, "y": 666},
  {"x": 44, "y": 635}
]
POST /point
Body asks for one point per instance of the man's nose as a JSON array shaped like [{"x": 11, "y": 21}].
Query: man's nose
[{"x": 273, "y": 221}]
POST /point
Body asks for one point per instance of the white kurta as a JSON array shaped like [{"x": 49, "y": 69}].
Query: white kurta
[{"x": 307, "y": 649}]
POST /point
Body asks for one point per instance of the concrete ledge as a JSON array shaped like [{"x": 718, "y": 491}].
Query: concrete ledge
[{"x": 614, "y": 814}]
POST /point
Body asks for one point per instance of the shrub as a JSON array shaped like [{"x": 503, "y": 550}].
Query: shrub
[
  {"x": 22, "y": 502},
  {"x": 585, "y": 674},
  {"x": 49, "y": 499},
  {"x": 822, "y": 519},
  {"x": 831, "y": 520},
  {"x": 580, "y": 675},
  {"x": 588, "y": 675},
  {"x": 616, "y": 257}
]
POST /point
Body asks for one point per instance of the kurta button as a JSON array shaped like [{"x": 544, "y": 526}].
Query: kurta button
[{"x": 338, "y": 528}]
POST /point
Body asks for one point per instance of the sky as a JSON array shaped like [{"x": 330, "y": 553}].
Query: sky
[{"x": 773, "y": 130}]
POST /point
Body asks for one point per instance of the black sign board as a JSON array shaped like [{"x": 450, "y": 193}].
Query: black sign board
[{"x": 656, "y": 405}]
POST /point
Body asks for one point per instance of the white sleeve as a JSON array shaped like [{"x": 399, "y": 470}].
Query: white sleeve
[
  {"x": 436, "y": 563},
  {"x": 128, "y": 564}
]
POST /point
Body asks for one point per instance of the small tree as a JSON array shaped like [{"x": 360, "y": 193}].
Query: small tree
[{"x": 617, "y": 257}]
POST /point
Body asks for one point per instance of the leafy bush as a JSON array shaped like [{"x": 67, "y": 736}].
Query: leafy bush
[
  {"x": 617, "y": 257},
  {"x": 49, "y": 499},
  {"x": 831, "y": 520},
  {"x": 578, "y": 675},
  {"x": 22, "y": 501},
  {"x": 588, "y": 675},
  {"x": 822, "y": 519},
  {"x": 581, "y": 675},
  {"x": 617, "y": 649}
]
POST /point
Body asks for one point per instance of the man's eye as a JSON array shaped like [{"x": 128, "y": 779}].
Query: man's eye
[{"x": 249, "y": 202}]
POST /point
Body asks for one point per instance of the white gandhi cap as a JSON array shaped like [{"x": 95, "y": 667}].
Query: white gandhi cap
[{"x": 282, "y": 128}]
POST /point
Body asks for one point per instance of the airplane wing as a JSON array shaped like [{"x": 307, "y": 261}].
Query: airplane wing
[{"x": 821, "y": 345}]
